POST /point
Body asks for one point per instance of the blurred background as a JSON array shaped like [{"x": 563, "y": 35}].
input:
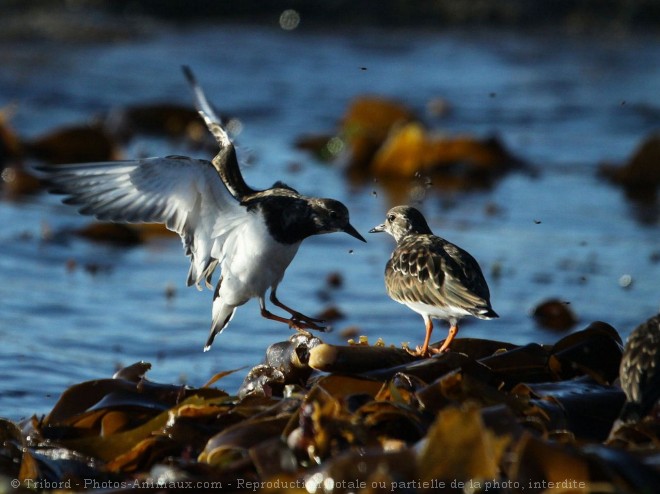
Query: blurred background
[{"x": 527, "y": 133}]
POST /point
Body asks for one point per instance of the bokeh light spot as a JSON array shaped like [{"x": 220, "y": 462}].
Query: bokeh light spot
[{"x": 289, "y": 19}]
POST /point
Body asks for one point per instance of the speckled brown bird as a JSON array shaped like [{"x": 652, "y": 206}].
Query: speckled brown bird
[
  {"x": 639, "y": 371},
  {"x": 432, "y": 276}
]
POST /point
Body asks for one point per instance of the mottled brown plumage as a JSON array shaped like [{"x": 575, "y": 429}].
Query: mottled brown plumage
[
  {"x": 640, "y": 371},
  {"x": 432, "y": 276}
]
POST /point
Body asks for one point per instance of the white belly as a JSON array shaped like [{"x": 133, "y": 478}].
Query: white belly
[
  {"x": 253, "y": 262},
  {"x": 445, "y": 313}
]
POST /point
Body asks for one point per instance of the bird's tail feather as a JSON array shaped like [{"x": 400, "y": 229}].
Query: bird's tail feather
[
  {"x": 486, "y": 313},
  {"x": 203, "y": 272},
  {"x": 222, "y": 314}
]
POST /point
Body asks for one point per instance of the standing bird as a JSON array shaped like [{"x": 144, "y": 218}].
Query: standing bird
[
  {"x": 639, "y": 371},
  {"x": 252, "y": 234},
  {"x": 432, "y": 276}
]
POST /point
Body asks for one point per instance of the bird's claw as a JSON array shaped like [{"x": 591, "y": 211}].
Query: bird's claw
[
  {"x": 301, "y": 324},
  {"x": 419, "y": 351},
  {"x": 298, "y": 316}
]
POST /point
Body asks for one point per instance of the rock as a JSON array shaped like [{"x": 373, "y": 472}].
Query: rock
[{"x": 554, "y": 314}]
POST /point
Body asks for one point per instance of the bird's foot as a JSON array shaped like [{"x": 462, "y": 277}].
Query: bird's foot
[
  {"x": 299, "y": 316},
  {"x": 420, "y": 352},
  {"x": 303, "y": 324}
]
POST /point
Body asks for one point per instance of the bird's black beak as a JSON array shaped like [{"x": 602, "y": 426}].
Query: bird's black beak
[
  {"x": 353, "y": 232},
  {"x": 378, "y": 229}
]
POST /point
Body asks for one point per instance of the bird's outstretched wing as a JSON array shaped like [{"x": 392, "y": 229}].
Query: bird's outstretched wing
[
  {"x": 225, "y": 161},
  {"x": 183, "y": 193}
]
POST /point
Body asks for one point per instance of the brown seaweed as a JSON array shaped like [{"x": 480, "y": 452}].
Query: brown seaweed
[
  {"x": 492, "y": 417},
  {"x": 595, "y": 351},
  {"x": 356, "y": 358},
  {"x": 384, "y": 139},
  {"x": 159, "y": 119},
  {"x": 73, "y": 144}
]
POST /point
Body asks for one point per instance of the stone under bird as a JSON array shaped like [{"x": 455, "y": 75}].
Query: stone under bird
[
  {"x": 432, "y": 276},
  {"x": 251, "y": 235}
]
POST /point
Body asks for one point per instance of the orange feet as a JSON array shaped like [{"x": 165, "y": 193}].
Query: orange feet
[{"x": 425, "y": 351}]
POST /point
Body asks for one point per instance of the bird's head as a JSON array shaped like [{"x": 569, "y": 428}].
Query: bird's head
[
  {"x": 330, "y": 216},
  {"x": 402, "y": 221}
]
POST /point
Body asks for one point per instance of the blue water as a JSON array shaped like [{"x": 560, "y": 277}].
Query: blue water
[{"x": 562, "y": 103}]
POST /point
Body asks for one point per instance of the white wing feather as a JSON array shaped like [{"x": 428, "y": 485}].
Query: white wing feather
[{"x": 185, "y": 194}]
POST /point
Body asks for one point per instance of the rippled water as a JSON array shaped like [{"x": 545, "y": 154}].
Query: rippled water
[{"x": 563, "y": 104}]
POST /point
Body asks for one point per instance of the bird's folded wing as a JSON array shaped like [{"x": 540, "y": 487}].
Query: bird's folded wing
[
  {"x": 430, "y": 275},
  {"x": 464, "y": 283},
  {"x": 408, "y": 277},
  {"x": 185, "y": 194}
]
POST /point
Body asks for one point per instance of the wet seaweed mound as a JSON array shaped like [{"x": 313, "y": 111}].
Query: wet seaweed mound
[{"x": 486, "y": 417}]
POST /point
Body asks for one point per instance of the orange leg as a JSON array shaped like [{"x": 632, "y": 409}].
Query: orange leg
[
  {"x": 292, "y": 323},
  {"x": 297, "y": 318},
  {"x": 423, "y": 351},
  {"x": 269, "y": 315},
  {"x": 453, "y": 330}
]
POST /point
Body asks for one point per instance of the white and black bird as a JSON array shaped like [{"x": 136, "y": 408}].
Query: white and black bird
[
  {"x": 432, "y": 276},
  {"x": 253, "y": 235}
]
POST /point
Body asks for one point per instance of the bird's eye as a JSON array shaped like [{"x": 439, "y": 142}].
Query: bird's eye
[
  {"x": 390, "y": 217},
  {"x": 333, "y": 215}
]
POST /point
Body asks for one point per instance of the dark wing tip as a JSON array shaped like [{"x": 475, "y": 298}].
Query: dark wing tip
[
  {"x": 492, "y": 314},
  {"x": 47, "y": 170},
  {"x": 42, "y": 167},
  {"x": 188, "y": 73}
]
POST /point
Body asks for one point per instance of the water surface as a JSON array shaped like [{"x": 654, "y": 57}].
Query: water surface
[{"x": 563, "y": 104}]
